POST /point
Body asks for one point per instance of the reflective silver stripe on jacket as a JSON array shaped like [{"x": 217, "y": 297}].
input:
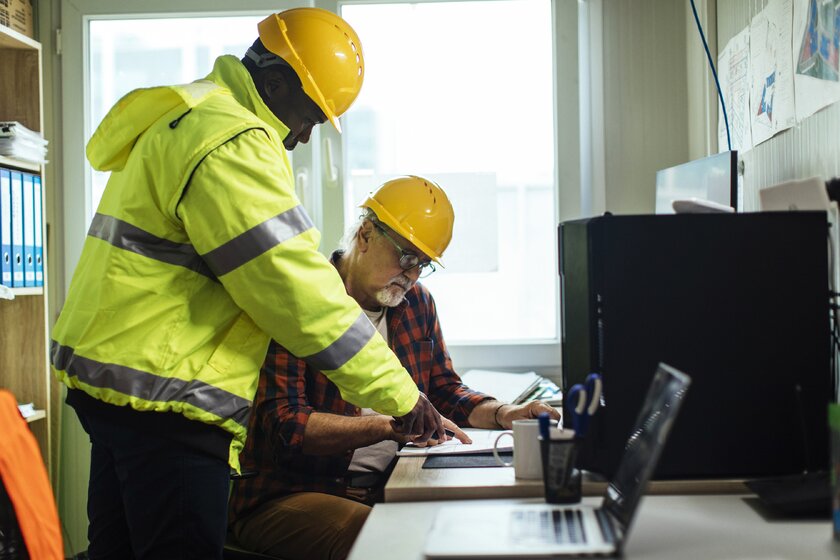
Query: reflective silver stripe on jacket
[
  {"x": 131, "y": 238},
  {"x": 150, "y": 387},
  {"x": 348, "y": 345},
  {"x": 258, "y": 240}
]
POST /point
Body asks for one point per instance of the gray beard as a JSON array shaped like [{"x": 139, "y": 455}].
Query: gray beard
[{"x": 392, "y": 294}]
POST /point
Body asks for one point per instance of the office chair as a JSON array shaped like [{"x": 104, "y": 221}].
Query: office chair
[{"x": 29, "y": 525}]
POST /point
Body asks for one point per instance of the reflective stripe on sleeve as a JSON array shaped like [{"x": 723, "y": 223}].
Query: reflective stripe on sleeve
[
  {"x": 126, "y": 236},
  {"x": 150, "y": 387},
  {"x": 258, "y": 240},
  {"x": 348, "y": 345}
]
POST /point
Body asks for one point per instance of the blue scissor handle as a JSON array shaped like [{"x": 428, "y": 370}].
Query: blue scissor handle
[
  {"x": 594, "y": 385},
  {"x": 584, "y": 401},
  {"x": 577, "y": 407}
]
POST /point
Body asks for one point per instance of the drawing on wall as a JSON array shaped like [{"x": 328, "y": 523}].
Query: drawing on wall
[
  {"x": 816, "y": 33},
  {"x": 734, "y": 76},
  {"x": 765, "y": 106},
  {"x": 818, "y": 56},
  {"x": 771, "y": 66}
]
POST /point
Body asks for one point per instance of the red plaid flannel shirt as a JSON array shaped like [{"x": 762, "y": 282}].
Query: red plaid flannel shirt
[{"x": 289, "y": 391}]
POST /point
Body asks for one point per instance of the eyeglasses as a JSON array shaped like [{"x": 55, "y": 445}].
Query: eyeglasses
[{"x": 408, "y": 260}]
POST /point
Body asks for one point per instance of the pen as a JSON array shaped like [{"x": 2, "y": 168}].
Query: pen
[
  {"x": 543, "y": 420},
  {"x": 449, "y": 432}
]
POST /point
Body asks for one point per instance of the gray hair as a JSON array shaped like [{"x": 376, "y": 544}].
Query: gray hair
[{"x": 348, "y": 241}]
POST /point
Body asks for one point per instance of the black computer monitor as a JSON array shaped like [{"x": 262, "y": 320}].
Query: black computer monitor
[{"x": 713, "y": 178}]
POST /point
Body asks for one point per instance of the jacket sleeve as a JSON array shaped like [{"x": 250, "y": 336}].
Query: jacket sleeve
[{"x": 240, "y": 212}]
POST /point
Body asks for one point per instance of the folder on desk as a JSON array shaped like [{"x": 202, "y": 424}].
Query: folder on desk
[
  {"x": 38, "y": 223},
  {"x": 28, "y": 230},
  {"x": 17, "y": 229},
  {"x": 482, "y": 442},
  {"x": 5, "y": 227}
]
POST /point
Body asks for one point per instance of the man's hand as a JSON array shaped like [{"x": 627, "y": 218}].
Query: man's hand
[
  {"x": 422, "y": 422},
  {"x": 451, "y": 428},
  {"x": 510, "y": 412}
]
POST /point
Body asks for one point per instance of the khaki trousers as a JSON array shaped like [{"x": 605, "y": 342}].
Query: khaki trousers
[{"x": 303, "y": 526}]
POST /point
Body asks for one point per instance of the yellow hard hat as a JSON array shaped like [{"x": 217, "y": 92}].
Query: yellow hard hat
[
  {"x": 417, "y": 209},
  {"x": 325, "y": 53}
]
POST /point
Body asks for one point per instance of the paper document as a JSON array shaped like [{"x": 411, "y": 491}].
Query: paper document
[
  {"x": 504, "y": 386},
  {"x": 26, "y": 409},
  {"x": 17, "y": 141},
  {"x": 483, "y": 441}
]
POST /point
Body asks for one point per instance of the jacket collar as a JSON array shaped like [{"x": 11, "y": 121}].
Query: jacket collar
[{"x": 229, "y": 72}]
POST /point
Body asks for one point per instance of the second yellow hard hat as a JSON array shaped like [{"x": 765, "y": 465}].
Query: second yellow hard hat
[{"x": 418, "y": 210}]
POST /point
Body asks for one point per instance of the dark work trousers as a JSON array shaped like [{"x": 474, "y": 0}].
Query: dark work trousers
[{"x": 153, "y": 498}]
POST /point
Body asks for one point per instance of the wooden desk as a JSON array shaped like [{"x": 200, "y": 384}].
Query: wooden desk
[
  {"x": 409, "y": 482},
  {"x": 719, "y": 527}
]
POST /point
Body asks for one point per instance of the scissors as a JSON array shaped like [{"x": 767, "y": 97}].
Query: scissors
[{"x": 584, "y": 400}]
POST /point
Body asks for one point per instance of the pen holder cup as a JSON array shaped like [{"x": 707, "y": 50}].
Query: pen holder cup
[{"x": 562, "y": 480}]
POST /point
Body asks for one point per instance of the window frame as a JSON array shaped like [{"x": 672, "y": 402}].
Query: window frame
[{"x": 318, "y": 166}]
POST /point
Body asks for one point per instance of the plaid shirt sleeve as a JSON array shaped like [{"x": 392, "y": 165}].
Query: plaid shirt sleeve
[
  {"x": 282, "y": 406},
  {"x": 418, "y": 342}
]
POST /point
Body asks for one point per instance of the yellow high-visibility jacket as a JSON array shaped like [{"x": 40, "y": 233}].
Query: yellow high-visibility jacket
[{"x": 198, "y": 254}]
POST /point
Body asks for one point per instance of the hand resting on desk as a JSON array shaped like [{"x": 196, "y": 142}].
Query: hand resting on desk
[{"x": 507, "y": 413}]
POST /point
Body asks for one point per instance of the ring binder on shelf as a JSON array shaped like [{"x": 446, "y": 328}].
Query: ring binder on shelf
[
  {"x": 28, "y": 230},
  {"x": 5, "y": 227},
  {"x": 39, "y": 233},
  {"x": 17, "y": 229}
]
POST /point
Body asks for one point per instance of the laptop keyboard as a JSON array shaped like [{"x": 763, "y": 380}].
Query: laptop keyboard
[{"x": 548, "y": 527}]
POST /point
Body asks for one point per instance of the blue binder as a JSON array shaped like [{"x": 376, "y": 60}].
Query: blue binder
[
  {"x": 28, "y": 230},
  {"x": 17, "y": 229},
  {"x": 5, "y": 227},
  {"x": 39, "y": 233}
]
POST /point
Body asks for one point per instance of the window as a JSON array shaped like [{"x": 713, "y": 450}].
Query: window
[
  {"x": 126, "y": 54},
  {"x": 462, "y": 93},
  {"x": 458, "y": 91}
]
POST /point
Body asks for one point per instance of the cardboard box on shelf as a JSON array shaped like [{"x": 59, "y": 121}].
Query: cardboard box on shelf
[{"x": 17, "y": 14}]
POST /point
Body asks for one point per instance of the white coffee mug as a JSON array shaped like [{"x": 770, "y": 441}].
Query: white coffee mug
[{"x": 527, "y": 461}]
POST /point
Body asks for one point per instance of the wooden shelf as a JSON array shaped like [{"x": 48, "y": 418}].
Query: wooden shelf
[
  {"x": 20, "y": 164},
  {"x": 39, "y": 291},
  {"x": 24, "y": 320},
  {"x": 11, "y": 39}
]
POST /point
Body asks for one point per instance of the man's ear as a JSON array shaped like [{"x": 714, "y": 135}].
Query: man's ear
[
  {"x": 363, "y": 236},
  {"x": 275, "y": 85}
]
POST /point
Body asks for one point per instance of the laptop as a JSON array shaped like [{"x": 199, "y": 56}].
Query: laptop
[
  {"x": 543, "y": 530},
  {"x": 805, "y": 194}
]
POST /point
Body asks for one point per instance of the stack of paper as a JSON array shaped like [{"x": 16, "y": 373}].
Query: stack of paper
[
  {"x": 17, "y": 141},
  {"x": 26, "y": 409},
  {"x": 505, "y": 387}
]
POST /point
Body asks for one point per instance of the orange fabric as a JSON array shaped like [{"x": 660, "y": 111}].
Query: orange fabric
[{"x": 25, "y": 478}]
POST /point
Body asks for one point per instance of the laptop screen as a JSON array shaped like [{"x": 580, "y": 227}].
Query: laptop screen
[{"x": 646, "y": 441}]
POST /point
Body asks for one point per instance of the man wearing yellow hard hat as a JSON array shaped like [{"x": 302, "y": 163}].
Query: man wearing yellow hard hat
[
  {"x": 320, "y": 459},
  {"x": 198, "y": 255}
]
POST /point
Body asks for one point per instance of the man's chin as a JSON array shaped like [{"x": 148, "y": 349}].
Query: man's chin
[{"x": 390, "y": 296}]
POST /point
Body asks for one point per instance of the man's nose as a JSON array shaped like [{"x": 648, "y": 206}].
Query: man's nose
[{"x": 413, "y": 274}]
